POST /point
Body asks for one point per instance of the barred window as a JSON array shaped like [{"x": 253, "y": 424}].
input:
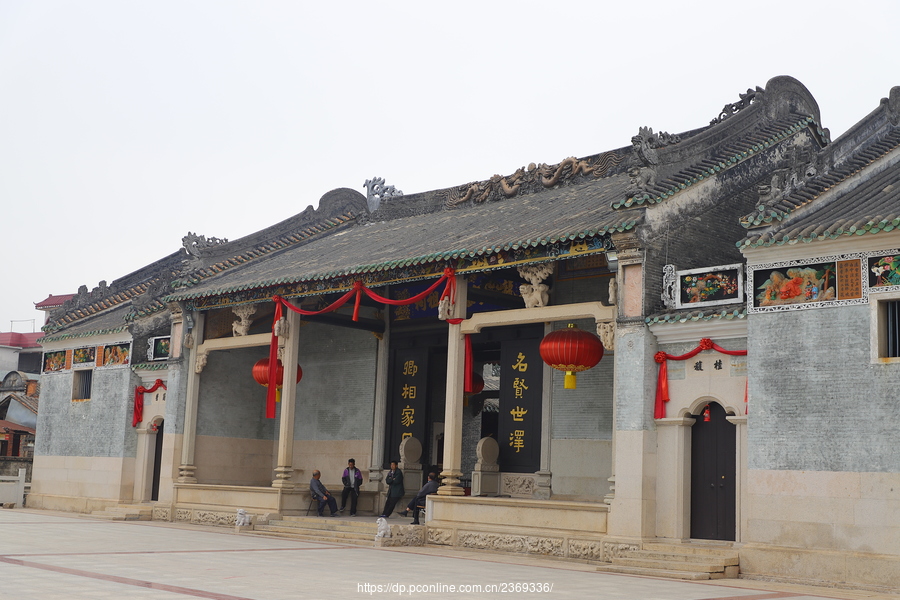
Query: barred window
[
  {"x": 81, "y": 384},
  {"x": 892, "y": 329}
]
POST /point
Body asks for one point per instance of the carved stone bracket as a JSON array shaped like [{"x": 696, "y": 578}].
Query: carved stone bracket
[
  {"x": 607, "y": 333},
  {"x": 241, "y": 325},
  {"x": 670, "y": 286},
  {"x": 200, "y": 363},
  {"x": 535, "y": 293},
  {"x": 282, "y": 330}
]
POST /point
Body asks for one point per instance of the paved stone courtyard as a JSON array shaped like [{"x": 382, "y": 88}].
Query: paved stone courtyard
[{"x": 56, "y": 556}]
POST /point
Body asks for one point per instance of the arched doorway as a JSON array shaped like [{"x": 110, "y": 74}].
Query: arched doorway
[
  {"x": 157, "y": 461},
  {"x": 713, "y": 475}
]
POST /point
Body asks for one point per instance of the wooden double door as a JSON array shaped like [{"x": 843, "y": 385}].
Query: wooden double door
[{"x": 713, "y": 475}]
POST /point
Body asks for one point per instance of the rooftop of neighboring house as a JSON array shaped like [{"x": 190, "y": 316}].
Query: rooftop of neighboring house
[{"x": 20, "y": 340}]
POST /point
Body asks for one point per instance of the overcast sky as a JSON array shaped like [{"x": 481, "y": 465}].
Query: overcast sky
[{"x": 125, "y": 124}]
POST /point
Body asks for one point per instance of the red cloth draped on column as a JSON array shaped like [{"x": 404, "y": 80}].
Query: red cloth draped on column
[
  {"x": 662, "y": 382},
  {"x": 448, "y": 277},
  {"x": 139, "y": 392}
]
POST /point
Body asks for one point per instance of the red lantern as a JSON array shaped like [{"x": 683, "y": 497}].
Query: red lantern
[
  {"x": 706, "y": 415},
  {"x": 261, "y": 374},
  {"x": 571, "y": 350},
  {"x": 477, "y": 384}
]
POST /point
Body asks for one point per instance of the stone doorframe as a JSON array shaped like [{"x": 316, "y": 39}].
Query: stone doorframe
[
  {"x": 145, "y": 455},
  {"x": 673, "y": 482}
]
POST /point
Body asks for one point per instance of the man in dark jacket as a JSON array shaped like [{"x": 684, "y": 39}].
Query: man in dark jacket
[
  {"x": 431, "y": 486},
  {"x": 394, "y": 480},
  {"x": 322, "y": 495},
  {"x": 352, "y": 479}
]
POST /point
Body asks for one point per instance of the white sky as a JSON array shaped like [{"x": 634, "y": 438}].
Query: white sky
[{"x": 125, "y": 124}]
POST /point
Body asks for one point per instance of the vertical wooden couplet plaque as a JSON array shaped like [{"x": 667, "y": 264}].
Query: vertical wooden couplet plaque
[
  {"x": 409, "y": 378},
  {"x": 519, "y": 423}
]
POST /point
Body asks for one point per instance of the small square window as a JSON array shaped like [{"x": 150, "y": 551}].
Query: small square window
[{"x": 81, "y": 384}]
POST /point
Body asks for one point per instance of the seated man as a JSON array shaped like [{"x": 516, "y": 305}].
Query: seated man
[
  {"x": 320, "y": 493},
  {"x": 430, "y": 487}
]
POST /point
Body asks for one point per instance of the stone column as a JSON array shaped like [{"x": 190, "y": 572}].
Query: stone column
[
  {"x": 453, "y": 408},
  {"x": 192, "y": 397},
  {"x": 291, "y": 345},
  {"x": 382, "y": 363},
  {"x": 543, "y": 478}
]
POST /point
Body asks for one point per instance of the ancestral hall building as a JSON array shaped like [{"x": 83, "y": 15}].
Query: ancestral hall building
[{"x": 741, "y": 277}]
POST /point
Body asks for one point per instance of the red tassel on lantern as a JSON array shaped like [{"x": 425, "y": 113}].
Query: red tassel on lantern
[
  {"x": 571, "y": 350},
  {"x": 261, "y": 375}
]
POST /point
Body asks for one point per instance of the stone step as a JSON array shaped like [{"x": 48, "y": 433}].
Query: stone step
[
  {"x": 666, "y": 573},
  {"x": 724, "y": 560},
  {"x": 669, "y": 564},
  {"x": 336, "y": 534},
  {"x": 124, "y": 513},
  {"x": 302, "y": 537},
  {"x": 326, "y": 524},
  {"x": 725, "y": 550}
]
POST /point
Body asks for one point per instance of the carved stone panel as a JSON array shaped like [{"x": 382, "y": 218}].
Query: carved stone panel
[{"x": 517, "y": 486}]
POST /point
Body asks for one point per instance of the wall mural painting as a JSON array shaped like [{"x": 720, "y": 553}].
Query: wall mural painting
[
  {"x": 54, "y": 361},
  {"x": 83, "y": 356},
  {"x": 115, "y": 355},
  {"x": 713, "y": 285},
  {"x": 884, "y": 270},
  {"x": 158, "y": 347},
  {"x": 832, "y": 280}
]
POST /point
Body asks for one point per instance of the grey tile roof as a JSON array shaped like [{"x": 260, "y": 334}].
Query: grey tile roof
[
  {"x": 728, "y": 157},
  {"x": 567, "y": 212},
  {"x": 870, "y": 207},
  {"x": 111, "y": 321},
  {"x": 708, "y": 314}
]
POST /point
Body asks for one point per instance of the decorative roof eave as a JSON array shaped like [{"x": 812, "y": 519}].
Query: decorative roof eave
[
  {"x": 478, "y": 260},
  {"x": 726, "y": 314},
  {"x": 263, "y": 250},
  {"x": 817, "y": 187},
  {"x": 822, "y": 233},
  {"x": 150, "y": 366},
  {"x": 725, "y": 164},
  {"x": 67, "y": 336}
]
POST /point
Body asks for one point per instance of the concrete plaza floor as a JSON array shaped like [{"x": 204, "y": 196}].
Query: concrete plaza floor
[{"x": 49, "y": 556}]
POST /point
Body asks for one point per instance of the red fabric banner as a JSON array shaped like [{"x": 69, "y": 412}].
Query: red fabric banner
[
  {"x": 662, "y": 381},
  {"x": 139, "y": 392}
]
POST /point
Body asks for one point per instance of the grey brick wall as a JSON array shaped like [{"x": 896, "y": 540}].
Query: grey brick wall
[
  {"x": 816, "y": 402},
  {"x": 100, "y": 426},
  {"x": 335, "y": 399},
  {"x": 231, "y": 403}
]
